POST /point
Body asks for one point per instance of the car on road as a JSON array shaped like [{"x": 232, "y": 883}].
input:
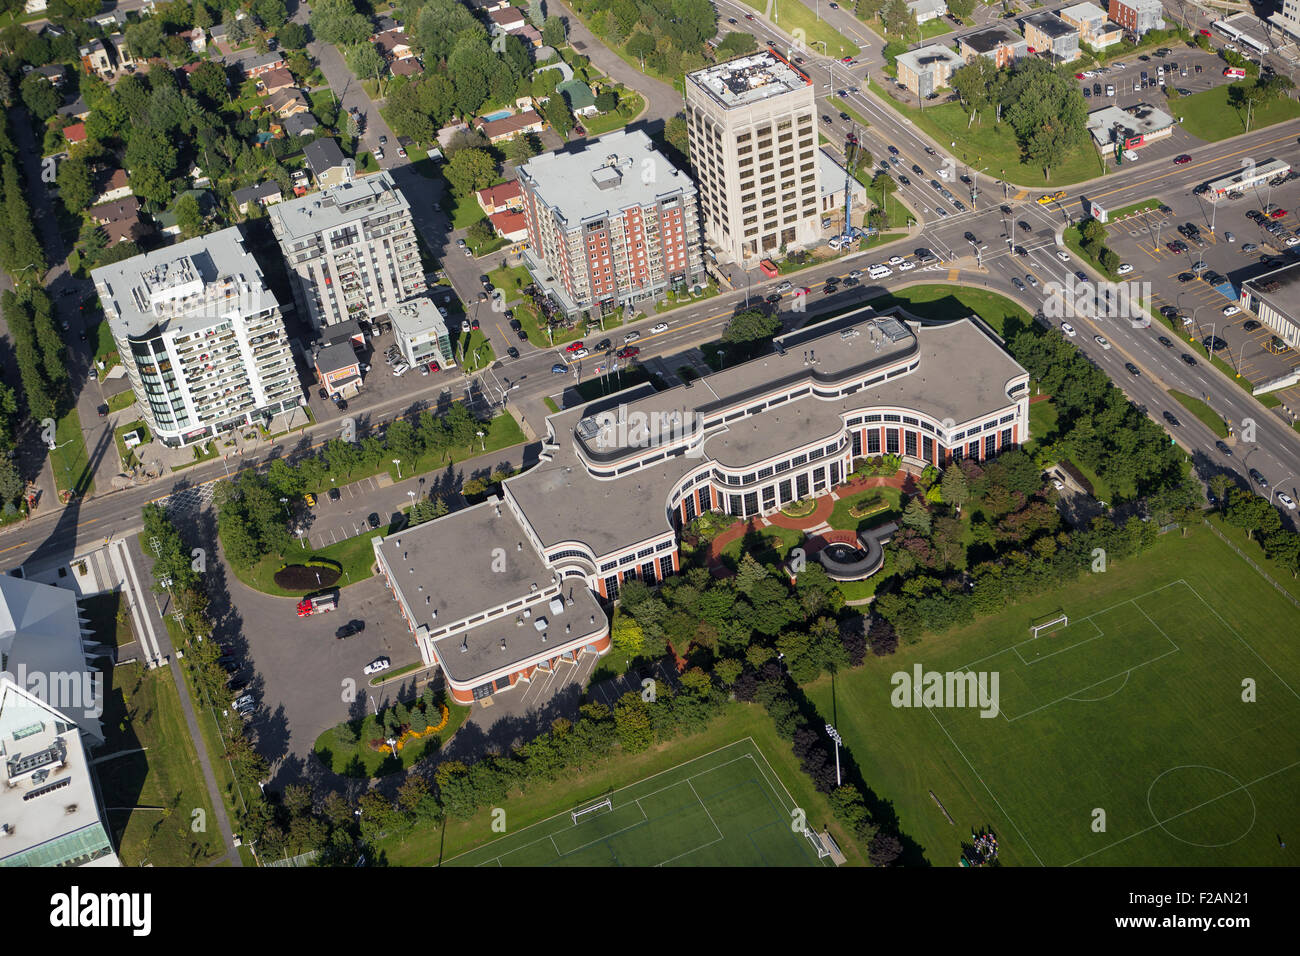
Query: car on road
[
  {"x": 1101, "y": 340},
  {"x": 749, "y": 16},
  {"x": 1080, "y": 275},
  {"x": 512, "y": 352},
  {"x": 377, "y": 665},
  {"x": 895, "y": 260},
  {"x": 844, "y": 116},
  {"x": 731, "y": 20},
  {"x": 918, "y": 170},
  {"x": 785, "y": 286},
  {"x": 1133, "y": 369},
  {"x": 628, "y": 351},
  {"x": 826, "y": 118},
  {"x": 1172, "y": 419},
  {"x": 1257, "y": 478},
  {"x": 581, "y": 354},
  {"x": 1188, "y": 359},
  {"x": 1250, "y": 325},
  {"x": 401, "y": 151},
  {"x": 1031, "y": 280},
  {"x": 906, "y": 266},
  {"x": 1068, "y": 329},
  {"x": 1223, "y": 448},
  {"x": 663, "y": 326},
  {"x": 798, "y": 292},
  {"x": 1017, "y": 283},
  {"x": 846, "y": 59},
  {"x": 1046, "y": 198},
  {"x": 349, "y": 629},
  {"x": 559, "y": 368},
  {"x": 1230, "y": 310},
  {"x": 904, "y": 180},
  {"x": 1062, "y": 255},
  {"x": 1182, "y": 160},
  {"x": 1163, "y": 340},
  {"x": 1286, "y": 501}
]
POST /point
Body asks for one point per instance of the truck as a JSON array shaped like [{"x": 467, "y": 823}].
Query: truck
[{"x": 318, "y": 603}]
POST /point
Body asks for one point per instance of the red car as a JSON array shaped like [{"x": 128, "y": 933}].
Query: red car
[
  {"x": 573, "y": 346},
  {"x": 1079, "y": 76},
  {"x": 749, "y": 16},
  {"x": 1181, "y": 160},
  {"x": 1277, "y": 214},
  {"x": 628, "y": 352},
  {"x": 846, "y": 59},
  {"x": 804, "y": 291},
  {"x": 435, "y": 367},
  {"x": 1207, "y": 33}
]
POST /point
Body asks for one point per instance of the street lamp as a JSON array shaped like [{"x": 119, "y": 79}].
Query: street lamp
[
  {"x": 481, "y": 443},
  {"x": 285, "y": 502},
  {"x": 411, "y": 495},
  {"x": 835, "y": 736},
  {"x": 398, "y": 463}
]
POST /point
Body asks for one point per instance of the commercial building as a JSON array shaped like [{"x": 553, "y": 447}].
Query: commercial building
[
  {"x": 1138, "y": 16},
  {"x": 752, "y": 123},
  {"x": 420, "y": 331},
  {"x": 1246, "y": 177},
  {"x": 495, "y": 591},
  {"x": 1275, "y": 298},
  {"x": 1095, "y": 28},
  {"x": 999, "y": 43},
  {"x": 927, "y": 10},
  {"x": 201, "y": 337},
  {"x": 609, "y": 224},
  {"x": 1287, "y": 19},
  {"x": 1131, "y": 127},
  {"x": 927, "y": 70},
  {"x": 1049, "y": 35},
  {"x": 351, "y": 250}
]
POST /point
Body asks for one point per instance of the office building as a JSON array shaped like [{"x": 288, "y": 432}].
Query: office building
[
  {"x": 609, "y": 225},
  {"x": 351, "y": 250},
  {"x": 753, "y": 140},
  {"x": 201, "y": 337},
  {"x": 1275, "y": 298}
]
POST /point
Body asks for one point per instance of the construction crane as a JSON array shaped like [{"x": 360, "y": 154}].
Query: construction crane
[{"x": 851, "y": 148}]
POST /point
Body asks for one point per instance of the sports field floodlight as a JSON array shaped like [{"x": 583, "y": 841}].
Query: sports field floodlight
[{"x": 835, "y": 736}]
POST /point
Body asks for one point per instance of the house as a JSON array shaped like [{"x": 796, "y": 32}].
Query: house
[
  {"x": 582, "y": 102},
  {"x": 273, "y": 81},
  {"x": 120, "y": 219},
  {"x": 53, "y": 74},
  {"x": 51, "y": 30},
  {"x": 999, "y": 43},
  {"x": 1138, "y": 16},
  {"x": 263, "y": 194},
  {"x": 122, "y": 53},
  {"x": 75, "y": 132},
  {"x": 384, "y": 25},
  {"x": 407, "y": 67},
  {"x": 506, "y": 20},
  {"x": 927, "y": 70},
  {"x": 196, "y": 38},
  {"x": 112, "y": 186},
  {"x": 530, "y": 35},
  {"x": 393, "y": 44},
  {"x": 109, "y": 20},
  {"x": 495, "y": 199},
  {"x": 1049, "y": 35},
  {"x": 508, "y": 127},
  {"x": 511, "y": 226},
  {"x": 169, "y": 226},
  {"x": 927, "y": 10},
  {"x": 300, "y": 124},
  {"x": 328, "y": 165},
  {"x": 288, "y": 103},
  {"x": 338, "y": 368},
  {"x": 1095, "y": 29},
  {"x": 77, "y": 109},
  {"x": 258, "y": 64},
  {"x": 96, "y": 59},
  {"x": 35, "y": 6},
  {"x": 218, "y": 32}
]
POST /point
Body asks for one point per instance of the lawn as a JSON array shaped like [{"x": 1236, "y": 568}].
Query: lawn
[
  {"x": 72, "y": 471},
  {"x": 777, "y": 544},
  {"x": 625, "y": 377},
  {"x": 465, "y": 210},
  {"x": 502, "y": 432},
  {"x": 1208, "y": 416},
  {"x": 949, "y": 301},
  {"x": 121, "y": 400},
  {"x": 842, "y": 520},
  {"x": 550, "y": 403},
  {"x": 102, "y": 611},
  {"x": 615, "y": 119},
  {"x": 1042, "y": 421},
  {"x": 928, "y": 30},
  {"x": 355, "y": 554},
  {"x": 1144, "y": 205},
  {"x": 153, "y": 796},
  {"x": 818, "y": 35},
  {"x": 105, "y": 347},
  {"x": 1208, "y": 116},
  {"x": 1073, "y": 243},
  {"x": 1160, "y": 644},
  {"x": 475, "y": 350},
  {"x": 434, "y": 844},
  {"x": 359, "y": 761},
  {"x": 119, "y": 436},
  {"x": 993, "y": 145}
]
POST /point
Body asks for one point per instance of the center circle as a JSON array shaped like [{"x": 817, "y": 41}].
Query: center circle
[{"x": 1203, "y": 801}]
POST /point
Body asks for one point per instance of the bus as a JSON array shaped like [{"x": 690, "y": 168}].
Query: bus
[
  {"x": 1228, "y": 32},
  {"x": 1234, "y": 71}
]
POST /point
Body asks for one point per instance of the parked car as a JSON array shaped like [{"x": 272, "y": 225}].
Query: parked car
[
  {"x": 349, "y": 629},
  {"x": 1250, "y": 325},
  {"x": 573, "y": 347},
  {"x": 377, "y": 665},
  {"x": 1257, "y": 478}
]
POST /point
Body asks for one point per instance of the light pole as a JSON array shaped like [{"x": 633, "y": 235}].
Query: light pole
[
  {"x": 285, "y": 502},
  {"x": 835, "y": 736},
  {"x": 481, "y": 443},
  {"x": 411, "y": 495},
  {"x": 398, "y": 462}
]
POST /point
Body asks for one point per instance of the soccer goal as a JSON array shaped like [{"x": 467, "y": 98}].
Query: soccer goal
[
  {"x": 1051, "y": 622},
  {"x": 577, "y": 815},
  {"x": 816, "y": 840}
]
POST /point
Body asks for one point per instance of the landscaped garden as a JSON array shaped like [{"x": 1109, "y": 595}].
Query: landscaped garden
[
  {"x": 867, "y": 509},
  {"x": 361, "y": 748}
]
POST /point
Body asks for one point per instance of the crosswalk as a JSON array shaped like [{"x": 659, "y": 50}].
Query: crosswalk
[{"x": 189, "y": 500}]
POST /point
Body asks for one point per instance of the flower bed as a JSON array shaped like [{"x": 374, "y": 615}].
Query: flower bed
[
  {"x": 800, "y": 509},
  {"x": 409, "y": 734},
  {"x": 869, "y": 505}
]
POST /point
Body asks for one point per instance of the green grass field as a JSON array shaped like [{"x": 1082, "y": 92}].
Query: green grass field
[
  {"x": 1208, "y": 115},
  {"x": 1122, "y": 739},
  {"x": 807, "y": 31},
  {"x": 726, "y": 808}
]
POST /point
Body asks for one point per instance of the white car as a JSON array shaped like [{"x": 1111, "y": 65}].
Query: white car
[
  {"x": 658, "y": 327},
  {"x": 906, "y": 265},
  {"x": 855, "y": 274},
  {"x": 1058, "y": 484},
  {"x": 581, "y": 353},
  {"x": 1063, "y": 256},
  {"x": 1124, "y": 269},
  {"x": 1101, "y": 340},
  {"x": 377, "y": 665},
  {"x": 1068, "y": 329},
  {"x": 1286, "y": 500},
  {"x": 379, "y": 153},
  {"x": 1293, "y": 240},
  {"x": 895, "y": 260},
  {"x": 1230, "y": 310}
]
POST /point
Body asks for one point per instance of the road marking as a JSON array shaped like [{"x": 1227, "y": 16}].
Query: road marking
[{"x": 952, "y": 274}]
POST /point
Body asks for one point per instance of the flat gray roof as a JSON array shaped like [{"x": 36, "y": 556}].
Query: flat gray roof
[
  {"x": 337, "y": 206},
  {"x": 1050, "y": 24},
  {"x": 183, "y": 285},
  {"x": 417, "y": 316},
  {"x": 927, "y": 57},
  {"x": 990, "y": 38},
  {"x": 605, "y": 176},
  {"x": 1280, "y": 289},
  {"x": 748, "y": 79}
]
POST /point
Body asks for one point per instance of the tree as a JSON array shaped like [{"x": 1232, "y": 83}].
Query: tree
[
  {"x": 632, "y": 723},
  {"x": 535, "y": 15},
  {"x": 1047, "y": 112},
  {"x": 338, "y": 22},
  {"x": 626, "y": 634},
  {"x": 606, "y": 101},
  {"x": 39, "y": 96},
  {"x": 677, "y": 134},
  {"x": 750, "y": 329},
  {"x": 884, "y": 849},
  {"x": 897, "y": 18},
  {"x": 553, "y": 32},
  {"x": 76, "y": 185},
  {"x": 916, "y": 516},
  {"x": 961, "y": 9},
  {"x": 522, "y": 148},
  {"x": 953, "y": 486},
  {"x": 271, "y": 12},
  {"x": 470, "y": 170},
  {"x": 640, "y": 45},
  {"x": 188, "y": 216},
  {"x": 556, "y": 112},
  {"x": 364, "y": 61},
  {"x": 736, "y": 44},
  {"x": 1219, "y": 483},
  {"x": 292, "y": 36}
]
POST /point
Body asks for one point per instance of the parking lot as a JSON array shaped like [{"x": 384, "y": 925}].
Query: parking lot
[{"x": 1144, "y": 241}]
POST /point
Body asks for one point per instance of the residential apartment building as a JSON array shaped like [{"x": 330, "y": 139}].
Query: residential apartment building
[
  {"x": 420, "y": 331},
  {"x": 928, "y": 69},
  {"x": 201, "y": 337},
  {"x": 753, "y": 140},
  {"x": 504, "y": 593},
  {"x": 351, "y": 250},
  {"x": 1047, "y": 34},
  {"x": 1001, "y": 44},
  {"x": 1287, "y": 19},
  {"x": 1138, "y": 16},
  {"x": 1275, "y": 298},
  {"x": 1095, "y": 28},
  {"x": 610, "y": 224}
]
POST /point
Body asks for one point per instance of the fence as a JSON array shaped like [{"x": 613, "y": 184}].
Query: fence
[{"x": 1280, "y": 590}]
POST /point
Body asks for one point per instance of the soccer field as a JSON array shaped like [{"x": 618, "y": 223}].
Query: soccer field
[
  {"x": 1160, "y": 727},
  {"x": 726, "y": 808}
]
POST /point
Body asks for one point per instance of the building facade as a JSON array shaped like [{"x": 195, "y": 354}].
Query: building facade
[
  {"x": 999, "y": 43},
  {"x": 420, "y": 331},
  {"x": 1275, "y": 298},
  {"x": 201, "y": 337},
  {"x": 351, "y": 250},
  {"x": 753, "y": 140},
  {"x": 928, "y": 69},
  {"x": 1049, "y": 35},
  {"x": 618, "y": 479},
  {"x": 1138, "y": 16},
  {"x": 609, "y": 225},
  {"x": 1095, "y": 28}
]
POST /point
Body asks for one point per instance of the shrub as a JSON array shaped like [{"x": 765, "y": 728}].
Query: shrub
[{"x": 309, "y": 576}]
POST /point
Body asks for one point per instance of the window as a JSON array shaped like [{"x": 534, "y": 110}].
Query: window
[
  {"x": 819, "y": 478},
  {"x": 733, "y": 506},
  {"x": 1007, "y": 418},
  {"x": 873, "y": 441},
  {"x": 648, "y": 571},
  {"x": 801, "y": 485},
  {"x": 787, "y": 492},
  {"x": 857, "y": 443},
  {"x": 705, "y": 496},
  {"x": 799, "y": 460},
  {"x": 689, "y": 505},
  {"x": 611, "y": 587},
  {"x": 909, "y": 443},
  {"x": 769, "y": 497},
  {"x": 909, "y": 420},
  {"x": 973, "y": 449},
  {"x": 1006, "y": 437},
  {"x": 765, "y": 472},
  {"x": 893, "y": 418},
  {"x": 927, "y": 448},
  {"x": 872, "y": 418},
  {"x": 751, "y": 503},
  {"x": 891, "y": 441},
  {"x": 835, "y": 473},
  {"x": 990, "y": 445},
  {"x": 665, "y": 566}
]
